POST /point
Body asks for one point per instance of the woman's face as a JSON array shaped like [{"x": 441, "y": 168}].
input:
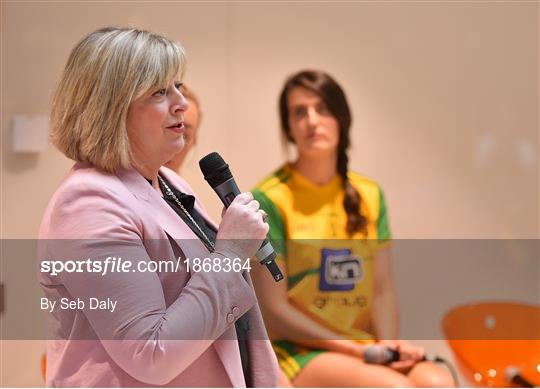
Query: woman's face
[
  {"x": 314, "y": 129},
  {"x": 155, "y": 125},
  {"x": 192, "y": 118}
]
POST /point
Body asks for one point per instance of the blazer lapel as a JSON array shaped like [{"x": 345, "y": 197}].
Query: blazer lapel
[
  {"x": 164, "y": 215},
  {"x": 172, "y": 177}
]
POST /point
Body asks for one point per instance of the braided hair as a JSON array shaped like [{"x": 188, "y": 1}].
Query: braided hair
[{"x": 329, "y": 90}]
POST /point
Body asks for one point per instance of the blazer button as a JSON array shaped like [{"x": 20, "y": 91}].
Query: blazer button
[
  {"x": 236, "y": 311},
  {"x": 230, "y": 318}
]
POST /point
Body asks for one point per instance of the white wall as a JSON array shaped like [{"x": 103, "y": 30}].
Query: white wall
[{"x": 444, "y": 97}]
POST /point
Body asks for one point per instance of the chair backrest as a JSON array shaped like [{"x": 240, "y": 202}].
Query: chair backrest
[
  {"x": 44, "y": 366},
  {"x": 488, "y": 338}
]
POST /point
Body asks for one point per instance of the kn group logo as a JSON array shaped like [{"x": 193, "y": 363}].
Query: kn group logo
[{"x": 340, "y": 270}]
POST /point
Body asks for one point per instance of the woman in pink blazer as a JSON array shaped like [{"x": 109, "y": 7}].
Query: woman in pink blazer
[{"x": 118, "y": 112}]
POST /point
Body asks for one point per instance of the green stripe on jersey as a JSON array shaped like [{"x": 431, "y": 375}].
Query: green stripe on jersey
[
  {"x": 277, "y": 230},
  {"x": 383, "y": 226}
]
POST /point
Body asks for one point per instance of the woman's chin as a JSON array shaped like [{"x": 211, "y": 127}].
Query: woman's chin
[
  {"x": 319, "y": 150},
  {"x": 179, "y": 144},
  {"x": 175, "y": 150}
]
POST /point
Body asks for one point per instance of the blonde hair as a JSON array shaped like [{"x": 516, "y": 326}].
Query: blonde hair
[{"x": 105, "y": 72}]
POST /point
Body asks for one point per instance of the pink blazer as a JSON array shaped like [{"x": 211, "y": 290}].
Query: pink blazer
[{"x": 172, "y": 328}]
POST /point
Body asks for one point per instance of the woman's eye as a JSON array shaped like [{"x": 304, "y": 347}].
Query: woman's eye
[
  {"x": 178, "y": 85},
  {"x": 323, "y": 109},
  {"x": 160, "y": 93},
  {"x": 299, "y": 112}
]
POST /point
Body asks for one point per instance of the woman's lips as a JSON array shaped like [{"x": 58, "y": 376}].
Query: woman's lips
[
  {"x": 316, "y": 136},
  {"x": 179, "y": 128}
]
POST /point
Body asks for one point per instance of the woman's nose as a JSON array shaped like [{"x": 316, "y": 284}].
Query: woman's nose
[
  {"x": 313, "y": 117},
  {"x": 180, "y": 104}
]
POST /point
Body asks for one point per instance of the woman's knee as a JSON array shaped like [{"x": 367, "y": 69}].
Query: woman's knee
[
  {"x": 432, "y": 376},
  {"x": 437, "y": 380},
  {"x": 397, "y": 380}
]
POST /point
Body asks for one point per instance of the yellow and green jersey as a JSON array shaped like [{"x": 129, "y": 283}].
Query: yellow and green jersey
[{"x": 330, "y": 274}]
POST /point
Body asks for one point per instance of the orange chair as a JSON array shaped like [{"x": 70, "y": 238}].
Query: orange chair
[
  {"x": 490, "y": 338},
  {"x": 43, "y": 366}
]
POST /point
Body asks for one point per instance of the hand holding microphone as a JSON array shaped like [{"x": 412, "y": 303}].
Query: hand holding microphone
[
  {"x": 381, "y": 354},
  {"x": 217, "y": 173},
  {"x": 242, "y": 230}
]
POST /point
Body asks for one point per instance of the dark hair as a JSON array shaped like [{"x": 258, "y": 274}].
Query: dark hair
[{"x": 329, "y": 90}]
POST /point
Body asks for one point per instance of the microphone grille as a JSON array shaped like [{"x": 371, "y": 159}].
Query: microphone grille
[
  {"x": 371, "y": 354},
  {"x": 510, "y": 373},
  {"x": 214, "y": 169},
  {"x": 377, "y": 354},
  {"x": 210, "y": 163}
]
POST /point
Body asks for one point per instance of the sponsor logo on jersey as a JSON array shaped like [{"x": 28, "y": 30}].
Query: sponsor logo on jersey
[
  {"x": 340, "y": 270},
  {"x": 351, "y": 301}
]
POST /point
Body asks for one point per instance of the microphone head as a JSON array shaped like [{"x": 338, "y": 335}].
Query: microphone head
[
  {"x": 214, "y": 169},
  {"x": 510, "y": 373},
  {"x": 377, "y": 354}
]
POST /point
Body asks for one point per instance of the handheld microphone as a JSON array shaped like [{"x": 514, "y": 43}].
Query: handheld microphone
[
  {"x": 513, "y": 377},
  {"x": 382, "y": 355},
  {"x": 217, "y": 173}
]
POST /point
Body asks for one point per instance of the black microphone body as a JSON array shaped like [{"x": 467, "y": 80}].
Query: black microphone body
[
  {"x": 219, "y": 176},
  {"x": 382, "y": 355}
]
